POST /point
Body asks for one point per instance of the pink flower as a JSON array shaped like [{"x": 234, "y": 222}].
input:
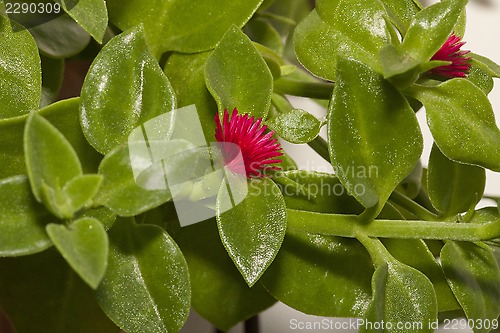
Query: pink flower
[
  {"x": 258, "y": 149},
  {"x": 450, "y": 51}
]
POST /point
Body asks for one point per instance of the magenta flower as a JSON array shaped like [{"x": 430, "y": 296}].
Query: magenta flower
[
  {"x": 450, "y": 51},
  {"x": 258, "y": 148}
]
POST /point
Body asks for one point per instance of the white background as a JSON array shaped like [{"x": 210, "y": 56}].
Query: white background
[{"x": 483, "y": 28}]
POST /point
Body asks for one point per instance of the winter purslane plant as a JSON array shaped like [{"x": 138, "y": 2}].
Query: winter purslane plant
[{"x": 85, "y": 246}]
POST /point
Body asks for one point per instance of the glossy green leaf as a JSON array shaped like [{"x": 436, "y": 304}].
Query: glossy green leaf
[
  {"x": 431, "y": 28},
  {"x": 453, "y": 187},
  {"x": 401, "y": 13},
  {"x": 40, "y": 293},
  {"x": 103, "y": 215},
  {"x": 321, "y": 275},
  {"x": 50, "y": 159},
  {"x": 64, "y": 116},
  {"x": 401, "y": 294},
  {"x": 119, "y": 190},
  {"x": 84, "y": 245},
  {"x": 233, "y": 68},
  {"x": 262, "y": 32},
  {"x": 52, "y": 76},
  {"x": 473, "y": 274},
  {"x": 374, "y": 137},
  {"x": 493, "y": 68},
  {"x": 252, "y": 231},
  {"x": 146, "y": 286},
  {"x": 335, "y": 29},
  {"x": 22, "y": 219},
  {"x": 81, "y": 190},
  {"x": 91, "y": 15},
  {"x": 462, "y": 122},
  {"x": 188, "y": 27},
  {"x": 20, "y": 71},
  {"x": 296, "y": 126},
  {"x": 124, "y": 88},
  {"x": 480, "y": 75},
  {"x": 60, "y": 37},
  {"x": 189, "y": 86},
  {"x": 219, "y": 293}
]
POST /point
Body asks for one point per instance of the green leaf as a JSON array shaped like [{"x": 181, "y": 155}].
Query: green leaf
[
  {"x": 401, "y": 294},
  {"x": 430, "y": 28},
  {"x": 252, "y": 231},
  {"x": 80, "y": 190},
  {"x": 60, "y": 37},
  {"x": 20, "y": 71},
  {"x": 84, "y": 245},
  {"x": 480, "y": 75},
  {"x": 336, "y": 30},
  {"x": 190, "y": 88},
  {"x": 321, "y": 275},
  {"x": 40, "y": 293},
  {"x": 50, "y": 159},
  {"x": 262, "y": 32},
  {"x": 119, "y": 190},
  {"x": 233, "y": 68},
  {"x": 146, "y": 286},
  {"x": 473, "y": 274},
  {"x": 187, "y": 27},
  {"x": 374, "y": 137},
  {"x": 219, "y": 293},
  {"x": 64, "y": 116},
  {"x": 453, "y": 187},
  {"x": 462, "y": 122},
  {"x": 91, "y": 15},
  {"x": 124, "y": 88},
  {"x": 22, "y": 219},
  {"x": 401, "y": 13},
  {"x": 296, "y": 126},
  {"x": 493, "y": 68},
  {"x": 52, "y": 76}
]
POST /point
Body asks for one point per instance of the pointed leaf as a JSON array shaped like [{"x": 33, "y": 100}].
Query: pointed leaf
[
  {"x": 187, "y": 27},
  {"x": 22, "y": 219},
  {"x": 480, "y": 75},
  {"x": 493, "y": 68},
  {"x": 91, "y": 15},
  {"x": 84, "y": 245},
  {"x": 296, "y": 126},
  {"x": 50, "y": 159},
  {"x": 401, "y": 13},
  {"x": 453, "y": 187},
  {"x": 124, "y": 88},
  {"x": 20, "y": 72},
  {"x": 374, "y": 137},
  {"x": 81, "y": 190},
  {"x": 234, "y": 66},
  {"x": 252, "y": 231},
  {"x": 473, "y": 274},
  {"x": 146, "y": 286}
]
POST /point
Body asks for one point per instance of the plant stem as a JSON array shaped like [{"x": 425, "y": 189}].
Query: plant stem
[
  {"x": 320, "y": 146},
  {"x": 412, "y": 206},
  {"x": 318, "y": 90},
  {"x": 349, "y": 226}
]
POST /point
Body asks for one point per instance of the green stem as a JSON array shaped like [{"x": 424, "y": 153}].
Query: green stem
[
  {"x": 377, "y": 251},
  {"x": 318, "y": 90},
  {"x": 320, "y": 146},
  {"x": 412, "y": 206},
  {"x": 349, "y": 226}
]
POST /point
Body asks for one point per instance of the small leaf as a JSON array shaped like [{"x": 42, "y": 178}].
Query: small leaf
[
  {"x": 60, "y": 37},
  {"x": 473, "y": 274},
  {"x": 262, "y": 32},
  {"x": 20, "y": 72},
  {"x": 493, "y": 68},
  {"x": 480, "y": 75},
  {"x": 401, "y": 294},
  {"x": 50, "y": 159},
  {"x": 84, "y": 245},
  {"x": 321, "y": 275},
  {"x": 22, "y": 219},
  {"x": 91, "y": 15},
  {"x": 252, "y": 231},
  {"x": 462, "y": 122},
  {"x": 41, "y": 293},
  {"x": 453, "y": 187},
  {"x": 374, "y": 137},
  {"x": 119, "y": 190},
  {"x": 233, "y": 68},
  {"x": 401, "y": 13},
  {"x": 124, "y": 88},
  {"x": 336, "y": 30},
  {"x": 52, "y": 76},
  {"x": 219, "y": 293},
  {"x": 81, "y": 190},
  {"x": 296, "y": 126},
  {"x": 146, "y": 286},
  {"x": 208, "y": 21}
]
